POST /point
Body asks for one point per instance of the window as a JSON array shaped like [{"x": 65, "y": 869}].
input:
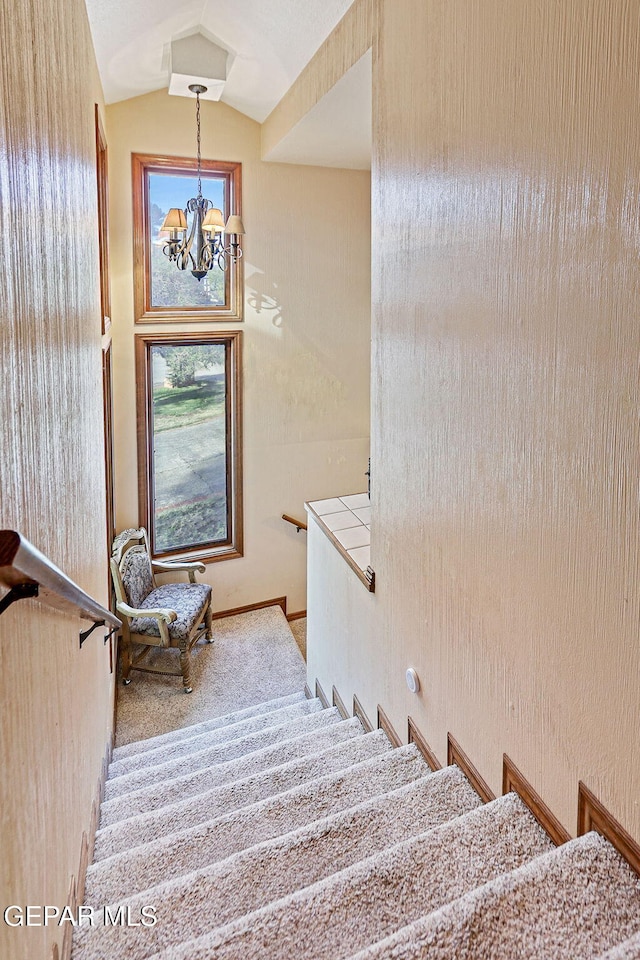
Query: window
[
  {"x": 190, "y": 443},
  {"x": 162, "y": 291}
]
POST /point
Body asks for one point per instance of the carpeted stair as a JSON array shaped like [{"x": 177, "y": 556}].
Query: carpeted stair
[
  {"x": 284, "y": 831},
  {"x": 628, "y": 950}
]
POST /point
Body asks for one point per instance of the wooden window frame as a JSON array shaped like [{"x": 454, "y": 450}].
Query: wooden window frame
[
  {"x": 102, "y": 181},
  {"x": 144, "y": 164},
  {"x": 233, "y": 546},
  {"x": 107, "y": 401}
]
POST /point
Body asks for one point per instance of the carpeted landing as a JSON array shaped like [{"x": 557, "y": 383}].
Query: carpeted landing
[
  {"x": 284, "y": 831},
  {"x": 254, "y": 658}
]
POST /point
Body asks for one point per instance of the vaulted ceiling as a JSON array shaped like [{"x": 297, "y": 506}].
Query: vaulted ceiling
[{"x": 269, "y": 42}]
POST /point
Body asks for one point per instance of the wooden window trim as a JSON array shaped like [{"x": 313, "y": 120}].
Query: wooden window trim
[
  {"x": 142, "y": 164},
  {"x": 102, "y": 181},
  {"x": 233, "y": 547},
  {"x": 107, "y": 400}
]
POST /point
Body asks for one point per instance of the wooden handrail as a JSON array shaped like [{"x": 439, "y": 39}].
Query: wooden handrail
[
  {"x": 298, "y": 524},
  {"x": 28, "y": 573}
]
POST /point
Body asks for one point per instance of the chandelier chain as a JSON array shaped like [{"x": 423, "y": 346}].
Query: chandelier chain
[{"x": 198, "y": 126}]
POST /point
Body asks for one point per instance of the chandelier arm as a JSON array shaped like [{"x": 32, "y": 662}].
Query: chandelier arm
[{"x": 183, "y": 256}]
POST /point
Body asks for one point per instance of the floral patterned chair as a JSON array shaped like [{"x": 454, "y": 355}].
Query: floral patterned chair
[{"x": 170, "y": 615}]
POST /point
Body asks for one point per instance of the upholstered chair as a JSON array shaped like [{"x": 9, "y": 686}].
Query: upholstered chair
[{"x": 169, "y": 615}]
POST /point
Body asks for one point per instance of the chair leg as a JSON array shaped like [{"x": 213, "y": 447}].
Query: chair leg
[
  {"x": 185, "y": 666},
  {"x": 126, "y": 660},
  {"x": 208, "y": 622}
]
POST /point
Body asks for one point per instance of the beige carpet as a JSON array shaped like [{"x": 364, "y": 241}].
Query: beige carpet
[
  {"x": 253, "y": 658},
  {"x": 292, "y": 833},
  {"x": 299, "y": 631}
]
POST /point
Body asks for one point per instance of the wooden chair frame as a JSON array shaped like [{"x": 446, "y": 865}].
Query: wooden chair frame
[{"x": 162, "y": 615}]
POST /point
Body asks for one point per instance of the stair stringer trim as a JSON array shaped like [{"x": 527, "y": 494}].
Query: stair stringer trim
[
  {"x": 359, "y": 712},
  {"x": 415, "y": 736},
  {"x": 385, "y": 724},
  {"x": 514, "y": 781},
  {"x": 321, "y": 695},
  {"x": 593, "y": 815},
  {"x": 455, "y": 754},
  {"x": 339, "y": 703}
]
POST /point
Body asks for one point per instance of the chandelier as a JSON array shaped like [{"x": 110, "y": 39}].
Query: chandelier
[{"x": 210, "y": 242}]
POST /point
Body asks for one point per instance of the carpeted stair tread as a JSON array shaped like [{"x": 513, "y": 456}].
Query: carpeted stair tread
[
  {"x": 629, "y": 950},
  {"x": 178, "y": 749},
  {"x": 220, "y": 753},
  {"x": 275, "y": 868},
  {"x": 150, "y": 825},
  {"x": 157, "y": 795},
  {"x": 215, "y": 723},
  {"x": 369, "y": 900},
  {"x": 283, "y": 831},
  {"x": 575, "y": 902},
  {"x": 194, "y": 847}
]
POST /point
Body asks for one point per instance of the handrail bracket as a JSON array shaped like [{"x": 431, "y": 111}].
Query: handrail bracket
[
  {"x": 21, "y": 591},
  {"x": 110, "y": 634},
  {"x": 87, "y": 633}
]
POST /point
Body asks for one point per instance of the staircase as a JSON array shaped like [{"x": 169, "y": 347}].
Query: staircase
[{"x": 283, "y": 831}]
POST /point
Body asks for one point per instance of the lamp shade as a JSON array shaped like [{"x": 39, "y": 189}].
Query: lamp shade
[
  {"x": 174, "y": 220},
  {"x": 234, "y": 225},
  {"x": 213, "y": 221}
]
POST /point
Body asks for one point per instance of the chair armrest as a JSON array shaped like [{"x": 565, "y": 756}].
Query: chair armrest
[
  {"x": 170, "y": 566},
  {"x": 165, "y": 615}
]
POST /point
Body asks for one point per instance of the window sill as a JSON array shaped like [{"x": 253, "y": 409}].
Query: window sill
[{"x": 202, "y": 556}]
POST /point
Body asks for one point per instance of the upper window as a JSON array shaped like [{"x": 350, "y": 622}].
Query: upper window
[
  {"x": 162, "y": 291},
  {"x": 189, "y": 443}
]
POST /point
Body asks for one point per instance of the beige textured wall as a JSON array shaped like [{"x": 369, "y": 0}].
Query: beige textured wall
[
  {"x": 342, "y": 632},
  {"x": 57, "y": 700},
  {"x": 307, "y": 333},
  {"x": 345, "y": 45},
  {"x": 505, "y": 431}
]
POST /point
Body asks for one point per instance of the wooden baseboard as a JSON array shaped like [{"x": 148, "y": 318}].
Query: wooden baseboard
[
  {"x": 77, "y": 883},
  {"x": 307, "y": 692},
  {"x": 338, "y": 702},
  {"x": 358, "y": 711},
  {"x": 114, "y": 718},
  {"x": 299, "y": 615},
  {"x": 593, "y": 815},
  {"x": 513, "y": 780},
  {"x": 276, "y": 602},
  {"x": 455, "y": 754},
  {"x": 385, "y": 724},
  {"x": 321, "y": 695},
  {"x": 416, "y": 737},
  {"x": 72, "y": 903},
  {"x": 84, "y": 855}
]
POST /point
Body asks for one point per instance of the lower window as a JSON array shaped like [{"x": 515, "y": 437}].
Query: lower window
[{"x": 189, "y": 443}]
